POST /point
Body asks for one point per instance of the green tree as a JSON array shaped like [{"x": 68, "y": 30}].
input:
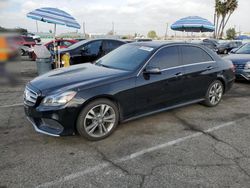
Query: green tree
[
  {"x": 152, "y": 34},
  {"x": 231, "y": 33},
  {"x": 223, "y": 11}
]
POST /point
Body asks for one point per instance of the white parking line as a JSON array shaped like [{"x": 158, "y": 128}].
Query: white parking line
[
  {"x": 132, "y": 156},
  {"x": 11, "y": 105}
]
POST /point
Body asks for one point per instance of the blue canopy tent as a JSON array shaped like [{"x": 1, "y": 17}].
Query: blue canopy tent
[
  {"x": 193, "y": 24},
  {"x": 54, "y": 16}
]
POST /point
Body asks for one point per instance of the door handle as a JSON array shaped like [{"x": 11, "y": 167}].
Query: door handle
[
  {"x": 178, "y": 74},
  {"x": 210, "y": 67}
]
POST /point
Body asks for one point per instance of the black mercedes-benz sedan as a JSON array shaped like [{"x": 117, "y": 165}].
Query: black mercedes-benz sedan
[{"x": 135, "y": 80}]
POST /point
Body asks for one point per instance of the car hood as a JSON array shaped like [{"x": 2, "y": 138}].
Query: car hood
[
  {"x": 75, "y": 77},
  {"x": 238, "y": 58}
]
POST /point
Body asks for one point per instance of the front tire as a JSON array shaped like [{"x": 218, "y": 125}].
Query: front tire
[
  {"x": 98, "y": 119},
  {"x": 214, "y": 93}
]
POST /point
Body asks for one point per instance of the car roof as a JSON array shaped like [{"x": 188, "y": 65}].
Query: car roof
[{"x": 159, "y": 44}]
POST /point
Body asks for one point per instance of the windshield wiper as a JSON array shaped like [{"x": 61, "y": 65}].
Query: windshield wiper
[
  {"x": 99, "y": 64},
  {"x": 105, "y": 66}
]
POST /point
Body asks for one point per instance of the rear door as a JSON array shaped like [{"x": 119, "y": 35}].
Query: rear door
[
  {"x": 200, "y": 71},
  {"x": 156, "y": 91}
]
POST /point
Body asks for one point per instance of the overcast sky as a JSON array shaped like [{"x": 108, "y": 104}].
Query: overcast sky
[{"x": 129, "y": 16}]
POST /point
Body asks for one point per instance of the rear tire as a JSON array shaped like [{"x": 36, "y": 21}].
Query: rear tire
[
  {"x": 98, "y": 119},
  {"x": 214, "y": 94}
]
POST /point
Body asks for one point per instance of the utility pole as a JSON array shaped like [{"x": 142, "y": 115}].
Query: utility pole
[
  {"x": 166, "y": 33},
  {"x": 215, "y": 26},
  {"x": 36, "y": 26},
  {"x": 113, "y": 28},
  {"x": 83, "y": 30}
]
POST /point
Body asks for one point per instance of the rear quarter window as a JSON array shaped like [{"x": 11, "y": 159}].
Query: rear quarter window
[{"x": 192, "y": 54}]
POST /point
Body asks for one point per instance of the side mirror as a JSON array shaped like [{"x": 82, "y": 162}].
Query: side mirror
[{"x": 152, "y": 70}]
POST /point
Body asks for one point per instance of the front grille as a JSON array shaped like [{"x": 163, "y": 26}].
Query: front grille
[
  {"x": 30, "y": 97},
  {"x": 240, "y": 66}
]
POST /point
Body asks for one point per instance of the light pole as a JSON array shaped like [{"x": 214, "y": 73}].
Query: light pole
[{"x": 166, "y": 33}]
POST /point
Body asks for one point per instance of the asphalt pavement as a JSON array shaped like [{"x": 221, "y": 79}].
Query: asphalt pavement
[{"x": 192, "y": 146}]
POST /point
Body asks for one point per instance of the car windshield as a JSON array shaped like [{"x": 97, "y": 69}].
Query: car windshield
[
  {"x": 127, "y": 57},
  {"x": 245, "y": 49}
]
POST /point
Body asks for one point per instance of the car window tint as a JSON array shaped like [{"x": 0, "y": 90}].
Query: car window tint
[
  {"x": 109, "y": 45},
  {"x": 66, "y": 43},
  {"x": 166, "y": 58},
  {"x": 191, "y": 54},
  {"x": 93, "y": 48},
  {"x": 116, "y": 44}
]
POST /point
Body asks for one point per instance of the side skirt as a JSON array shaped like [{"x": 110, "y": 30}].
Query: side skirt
[{"x": 162, "y": 110}]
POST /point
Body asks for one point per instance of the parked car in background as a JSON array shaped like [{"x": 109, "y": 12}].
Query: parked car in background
[
  {"x": 22, "y": 43},
  {"x": 79, "y": 39},
  {"x": 207, "y": 44},
  {"x": 22, "y": 40},
  {"x": 241, "y": 61},
  {"x": 35, "y": 37},
  {"x": 226, "y": 47},
  {"x": 142, "y": 40},
  {"x": 90, "y": 50},
  {"x": 61, "y": 43},
  {"x": 210, "y": 43},
  {"x": 135, "y": 80},
  {"x": 213, "y": 42}
]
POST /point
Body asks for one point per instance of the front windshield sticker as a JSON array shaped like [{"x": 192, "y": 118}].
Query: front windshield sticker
[{"x": 146, "y": 48}]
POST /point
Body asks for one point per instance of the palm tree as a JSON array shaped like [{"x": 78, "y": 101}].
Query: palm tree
[
  {"x": 223, "y": 10},
  {"x": 218, "y": 13},
  {"x": 231, "y": 6}
]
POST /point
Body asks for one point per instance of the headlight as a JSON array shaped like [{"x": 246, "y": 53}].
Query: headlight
[
  {"x": 247, "y": 66},
  {"x": 58, "y": 99}
]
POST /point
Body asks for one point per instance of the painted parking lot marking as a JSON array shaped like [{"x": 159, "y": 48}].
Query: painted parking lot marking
[
  {"x": 11, "y": 105},
  {"x": 133, "y": 155}
]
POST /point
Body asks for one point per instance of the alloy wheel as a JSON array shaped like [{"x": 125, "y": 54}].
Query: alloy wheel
[
  {"x": 215, "y": 93},
  {"x": 99, "y": 120}
]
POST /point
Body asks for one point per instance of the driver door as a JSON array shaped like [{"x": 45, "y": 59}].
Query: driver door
[
  {"x": 88, "y": 52},
  {"x": 159, "y": 90}
]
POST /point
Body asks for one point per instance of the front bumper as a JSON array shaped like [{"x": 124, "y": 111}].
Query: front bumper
[
  {"x": 43, "y": 128},
  {"x": 242, "y": 74},
  {"x": 53, "y": 122}
]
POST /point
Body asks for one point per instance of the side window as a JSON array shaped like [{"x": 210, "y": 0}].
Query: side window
[
  {"x": 166, "y": 58},
  {"x": 116, "y": 44},
  {"x": 109, "y": 45},
  {"x": 93, "y": 48},
  {"x": 191, "y": 54},
  {"x": 66, "y": 43}
]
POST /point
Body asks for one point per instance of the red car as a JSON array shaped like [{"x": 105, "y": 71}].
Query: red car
[
  {"x": 22, "y": 41},
  {"x": 62, "y": 43}
]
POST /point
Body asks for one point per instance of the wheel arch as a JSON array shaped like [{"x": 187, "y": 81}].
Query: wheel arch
[
  {"x": 223, "y": 81},
  {"x": 109, "y": 97}
]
